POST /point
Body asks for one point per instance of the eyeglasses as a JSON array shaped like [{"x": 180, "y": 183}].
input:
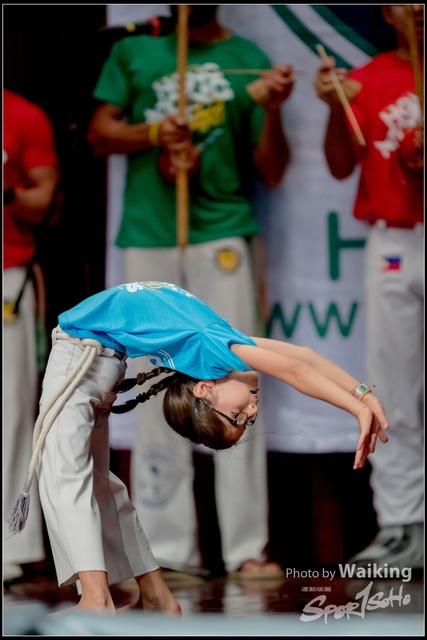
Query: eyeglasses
[{"x": 242, "y": 418}]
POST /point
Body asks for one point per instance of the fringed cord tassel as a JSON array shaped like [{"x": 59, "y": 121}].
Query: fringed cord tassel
[{"x": 17, "y": 516}]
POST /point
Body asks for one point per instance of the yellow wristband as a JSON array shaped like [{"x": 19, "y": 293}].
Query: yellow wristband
[
  {"x": 364, "y": 394},
  {"x": 153, "y": 133}
]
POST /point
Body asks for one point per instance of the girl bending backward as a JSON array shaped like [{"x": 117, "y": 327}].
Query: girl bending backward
[{"x": 211, "y": 398}]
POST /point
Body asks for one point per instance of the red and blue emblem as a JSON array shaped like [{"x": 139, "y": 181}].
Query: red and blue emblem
[{"x": 391, "y": 263}]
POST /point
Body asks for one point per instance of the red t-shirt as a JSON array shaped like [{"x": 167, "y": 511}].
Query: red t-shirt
[
  {"x": 385, "y": 106},
  {"x": 28, "y": 142}
]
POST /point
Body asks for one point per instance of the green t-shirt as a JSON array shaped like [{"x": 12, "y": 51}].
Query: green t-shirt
[{"x": 140, "y": 77}]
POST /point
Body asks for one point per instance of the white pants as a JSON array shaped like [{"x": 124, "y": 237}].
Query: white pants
[
  {"x": 395, "y": 364},
  {"x": 20, "y": 380},
  {"x": 219, "y": 273},
  {"x": 90, "y": 519}
]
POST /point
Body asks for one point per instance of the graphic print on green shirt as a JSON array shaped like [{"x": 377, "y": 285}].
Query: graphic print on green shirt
[{"x": 206, "y": 89}]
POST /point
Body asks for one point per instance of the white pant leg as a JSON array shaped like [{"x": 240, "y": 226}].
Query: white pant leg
[
  {"x": 395, "y": 347},
  {"x": 162, "y": 473},
  {"x": 220, "y": 273},
  {"x": 20, "y": 380},
  {"x": 91, "y": 522}
]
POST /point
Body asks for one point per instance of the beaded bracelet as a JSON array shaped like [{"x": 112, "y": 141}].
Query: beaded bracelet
[
  {"x": 153, "y": 133},
  {"x": 360, "y": 391}
]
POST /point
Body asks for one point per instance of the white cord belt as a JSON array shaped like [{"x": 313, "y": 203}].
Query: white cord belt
[{"x": 18, "y": 514}]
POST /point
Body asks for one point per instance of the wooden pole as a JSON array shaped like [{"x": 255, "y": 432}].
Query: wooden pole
[
  {"x": 415, "y": 58},
  {"x": 182, "y": 174},
  {"x": 343, "y": 99}
]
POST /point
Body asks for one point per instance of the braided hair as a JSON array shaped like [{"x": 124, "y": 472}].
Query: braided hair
[
  {"x": 129, "y": 383},
  {"x": 182, "y": 410}
]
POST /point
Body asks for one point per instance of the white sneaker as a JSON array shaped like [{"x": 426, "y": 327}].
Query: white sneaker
[{"x": 397, "y": 545}]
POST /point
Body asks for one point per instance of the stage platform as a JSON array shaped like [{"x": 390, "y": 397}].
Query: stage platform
[{"x": 227, "y": 607}]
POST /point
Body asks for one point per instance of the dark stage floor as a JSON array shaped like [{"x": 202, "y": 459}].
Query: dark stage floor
[{"x": 247, "y": 607}]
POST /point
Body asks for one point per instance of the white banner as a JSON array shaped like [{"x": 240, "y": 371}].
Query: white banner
[{"x": 314, "y": 246}]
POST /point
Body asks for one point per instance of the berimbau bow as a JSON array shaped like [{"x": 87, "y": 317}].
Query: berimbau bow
[
  {"x": 182, "y": 173},
  {"x": 411, "y": 146},
  {"x": 415, "y": 56}
]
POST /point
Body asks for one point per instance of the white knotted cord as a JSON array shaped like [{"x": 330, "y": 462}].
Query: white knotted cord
[{"x": 18, "y": 514}]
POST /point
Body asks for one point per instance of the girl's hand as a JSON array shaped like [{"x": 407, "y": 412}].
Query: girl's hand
[{"x": 372, "y": 423}]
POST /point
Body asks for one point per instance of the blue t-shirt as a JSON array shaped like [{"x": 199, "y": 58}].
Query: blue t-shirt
[{"x": 163, "y": 322}]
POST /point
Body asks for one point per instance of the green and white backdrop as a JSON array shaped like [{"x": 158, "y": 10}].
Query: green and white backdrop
[{"x": 314, "y": 246}]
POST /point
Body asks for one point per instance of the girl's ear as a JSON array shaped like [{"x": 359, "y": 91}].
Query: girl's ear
[{"x": 203, "y": 388}]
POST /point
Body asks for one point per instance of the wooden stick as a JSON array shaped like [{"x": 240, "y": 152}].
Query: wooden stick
[
  {"x": 259, "y": 255},
  {"x": 256, "y": 72},
  {"x": 415, "y": 58},
  {"x": 343, "y": 99},
  {"x": 182, "y": 174}
]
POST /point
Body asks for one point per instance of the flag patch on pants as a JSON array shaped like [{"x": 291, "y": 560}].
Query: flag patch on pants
[{"x": 391, "y": 263}]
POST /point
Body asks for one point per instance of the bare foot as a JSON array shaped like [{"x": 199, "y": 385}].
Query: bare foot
[
  {"x": 155, "y": 594},
  {"x": 84, "y": 607},
  {"x": 126, "y": 608},
  {"x": 260, "y": 568}
]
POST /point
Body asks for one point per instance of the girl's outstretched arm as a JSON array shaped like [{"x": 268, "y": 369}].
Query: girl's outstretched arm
[
  {"x": 311, "y": 357},
  {"x": 319, "y": 378},
  {"x": 334, "y": 373}
]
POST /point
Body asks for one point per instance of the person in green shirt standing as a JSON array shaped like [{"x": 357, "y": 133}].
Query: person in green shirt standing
[{"x": 231, "y": 135}]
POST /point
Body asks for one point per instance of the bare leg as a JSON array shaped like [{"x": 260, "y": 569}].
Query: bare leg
[
  {"x": 155, "y": 594},
  {"x": 96, "y": 594}
]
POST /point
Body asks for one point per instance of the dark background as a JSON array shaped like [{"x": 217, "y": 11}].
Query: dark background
[
  {"x": 320, "y": 509},
  {"x": 52, "y": 57},
  {"x": 367, "y": 21}
]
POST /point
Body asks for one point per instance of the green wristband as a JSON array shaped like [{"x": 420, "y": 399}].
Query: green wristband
[{"x": 361, "y": 390}]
